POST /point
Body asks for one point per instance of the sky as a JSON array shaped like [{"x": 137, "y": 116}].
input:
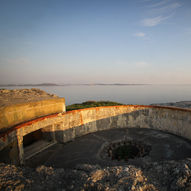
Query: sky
[{"x": 95, "y": 41}]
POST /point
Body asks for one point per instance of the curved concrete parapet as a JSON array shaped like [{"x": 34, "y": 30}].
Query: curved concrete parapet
[
  {"x": 18, "y": 113},
  {"x": 65, "y": 127}
]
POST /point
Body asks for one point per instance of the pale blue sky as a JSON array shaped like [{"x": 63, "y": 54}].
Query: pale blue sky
[{"x": 86, "y": 41}]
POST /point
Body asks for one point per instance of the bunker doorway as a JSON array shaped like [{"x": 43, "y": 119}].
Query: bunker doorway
[{"x": 37, "y": 141}]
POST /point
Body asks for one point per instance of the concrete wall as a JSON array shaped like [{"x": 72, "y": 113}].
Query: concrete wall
[
  {"x": 19, "y": 113},
  {"x": 65, "y": 127}
]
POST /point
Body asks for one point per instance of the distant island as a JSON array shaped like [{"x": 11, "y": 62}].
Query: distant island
[{"x": 87, "y": 84}]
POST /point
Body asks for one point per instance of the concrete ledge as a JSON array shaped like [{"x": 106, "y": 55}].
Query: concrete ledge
[{"x": 15, "y": 114}]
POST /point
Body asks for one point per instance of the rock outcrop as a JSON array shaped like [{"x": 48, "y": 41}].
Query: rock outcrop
[
  {"x": 164, "y": 176},
  {"x": 9, "y": 97}
]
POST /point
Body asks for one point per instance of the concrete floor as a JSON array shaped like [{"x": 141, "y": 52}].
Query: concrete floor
[{"x": 86, "y": 149}]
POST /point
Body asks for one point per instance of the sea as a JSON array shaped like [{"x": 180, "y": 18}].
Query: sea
[{"x": 125, "y": 94}]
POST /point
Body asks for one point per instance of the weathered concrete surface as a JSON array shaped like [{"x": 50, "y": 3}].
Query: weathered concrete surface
[
  {"x": 15, "y": 114},
  {"x": 67, "y": 126},
  {"x": 87, "y": 149}
]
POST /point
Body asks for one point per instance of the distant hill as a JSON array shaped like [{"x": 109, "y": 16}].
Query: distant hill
[
  {"x": 43, "y": 84},
  {"x": 53, "y": 84}
]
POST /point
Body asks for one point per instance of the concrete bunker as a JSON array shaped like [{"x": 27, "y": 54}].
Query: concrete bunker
[{"x": 64, "y": 127}]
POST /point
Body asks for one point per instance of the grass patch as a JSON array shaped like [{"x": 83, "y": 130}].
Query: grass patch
[{"x": 89, "y": 104}]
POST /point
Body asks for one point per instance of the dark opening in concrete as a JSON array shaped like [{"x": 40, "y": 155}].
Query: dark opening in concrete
[
  {"x": 125, "y": 150},
  {"x": 35, "y": 142},
  {"x": 32, "y": 137}
]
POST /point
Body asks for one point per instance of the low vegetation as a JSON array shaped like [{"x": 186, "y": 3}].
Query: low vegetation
[{"x": 88, "y": 104}]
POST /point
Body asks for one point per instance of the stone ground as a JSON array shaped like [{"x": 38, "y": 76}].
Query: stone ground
[
  {"x": 153, "y": 176},
  {"x": 9, "y": 97}
]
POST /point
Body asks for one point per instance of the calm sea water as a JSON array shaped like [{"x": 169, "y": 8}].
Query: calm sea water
[{"x": 139, "y": 94}]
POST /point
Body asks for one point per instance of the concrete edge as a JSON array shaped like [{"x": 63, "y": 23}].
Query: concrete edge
[{"x": 18, "y": 126}]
